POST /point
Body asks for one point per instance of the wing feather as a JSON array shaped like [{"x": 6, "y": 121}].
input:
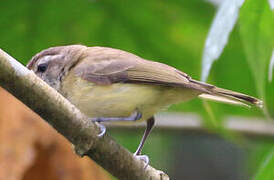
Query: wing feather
[
  {"x": 106, "y": 66},
  {"x": 116, "y": 66}
]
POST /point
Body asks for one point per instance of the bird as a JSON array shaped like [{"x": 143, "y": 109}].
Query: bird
[{"x": 112, "y": 85}]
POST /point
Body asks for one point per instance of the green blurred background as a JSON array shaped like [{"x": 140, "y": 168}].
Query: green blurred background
[{"x": 172, "y": 32}]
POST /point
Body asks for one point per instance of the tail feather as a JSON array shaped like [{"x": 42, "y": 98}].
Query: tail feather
[
  {"x": 228, "y": 96},
  {"x": 239, "y": 96},
  {"x": 222, "y": 99}
]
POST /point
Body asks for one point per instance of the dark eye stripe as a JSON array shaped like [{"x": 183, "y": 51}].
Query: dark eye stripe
[{"x": 42, "y": 67}]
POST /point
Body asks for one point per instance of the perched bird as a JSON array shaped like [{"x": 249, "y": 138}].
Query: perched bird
[{"x": 109, "y": 84}]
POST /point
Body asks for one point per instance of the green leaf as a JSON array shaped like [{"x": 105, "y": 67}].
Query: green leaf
[
  {"x": 266, "y": 170},
  {"x": 256, "y": 31}
]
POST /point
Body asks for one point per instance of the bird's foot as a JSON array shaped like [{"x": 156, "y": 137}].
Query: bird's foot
[
  {"x": 102, "y": 129},
  {"x": 136, "y": 115},
  {"x": 143, "y": 158}
]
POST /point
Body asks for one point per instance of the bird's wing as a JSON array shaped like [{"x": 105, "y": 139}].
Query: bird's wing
[{"x": 106, "y": 66}]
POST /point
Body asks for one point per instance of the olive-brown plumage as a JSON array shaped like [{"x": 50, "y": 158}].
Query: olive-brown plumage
[{"x": 107, "y": 82}]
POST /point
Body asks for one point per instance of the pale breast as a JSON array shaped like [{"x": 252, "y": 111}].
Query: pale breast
[{"x": 120, "y": 99}]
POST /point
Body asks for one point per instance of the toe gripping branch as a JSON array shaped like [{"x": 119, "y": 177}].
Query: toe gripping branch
[{"x": 136, "y": 115}]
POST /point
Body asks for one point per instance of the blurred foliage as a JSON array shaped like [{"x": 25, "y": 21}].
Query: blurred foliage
[
  {"x": 172, "y": 32},
  {"x": 256, "y": 30},
  {"x": 266, "y": 170}
]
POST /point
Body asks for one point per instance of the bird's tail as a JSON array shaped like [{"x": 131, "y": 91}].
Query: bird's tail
[{"x": 227, "y": 96}]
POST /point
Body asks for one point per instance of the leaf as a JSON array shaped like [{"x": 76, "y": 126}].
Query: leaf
[
  {"x": 256, "y": 32},
  {"x": 217, "y": 38},
  {"x": 266, "y": 169},
  {"x": 271, "y": 3},
  {"x": 271, "y": 66}
]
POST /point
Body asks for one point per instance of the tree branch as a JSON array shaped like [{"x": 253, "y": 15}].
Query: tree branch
[{"x": 71, "y": 123}]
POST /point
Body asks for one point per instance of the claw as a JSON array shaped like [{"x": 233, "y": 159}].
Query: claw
[
  {"x": 136, "y": 115},
  {"x": 102, "y": 128},
  {"x": 143, "y": 158}
]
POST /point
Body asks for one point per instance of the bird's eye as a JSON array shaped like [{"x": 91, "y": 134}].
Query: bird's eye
[{"x": 42, "y": 67}]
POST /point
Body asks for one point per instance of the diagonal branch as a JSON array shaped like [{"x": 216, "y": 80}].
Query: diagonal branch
[{"x": 71, "y": 123}]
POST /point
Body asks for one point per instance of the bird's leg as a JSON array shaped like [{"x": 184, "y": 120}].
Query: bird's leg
[
  {"x": 150, "y": 124},
  {"x": 136, "y": 115}
]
